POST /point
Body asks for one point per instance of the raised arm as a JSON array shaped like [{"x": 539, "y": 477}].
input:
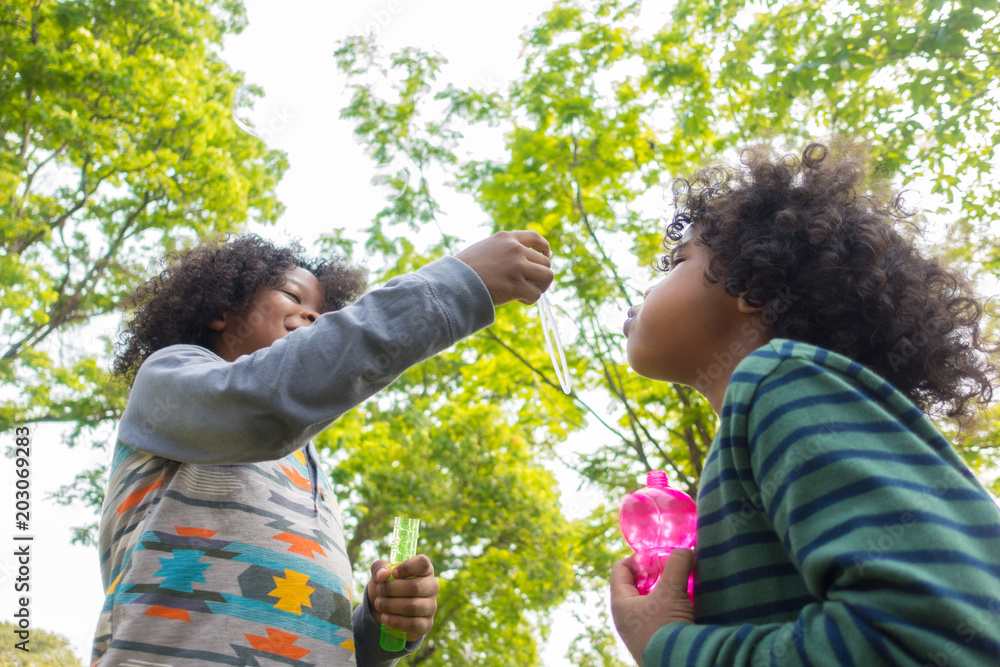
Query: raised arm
[{"x": 188, "y": 404}]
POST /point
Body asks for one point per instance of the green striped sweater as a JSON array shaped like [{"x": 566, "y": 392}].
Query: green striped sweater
[{"x": 836, "y": 526}]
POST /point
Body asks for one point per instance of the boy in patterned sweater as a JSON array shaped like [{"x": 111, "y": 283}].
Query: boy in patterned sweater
[
  {"x": 221, "y": 542},
  {"x": 836, "y": 526}
]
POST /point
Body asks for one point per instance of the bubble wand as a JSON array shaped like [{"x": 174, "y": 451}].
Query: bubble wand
[
  {"x": 404, "y": 547},
  {"x": 553, "y": 344}
]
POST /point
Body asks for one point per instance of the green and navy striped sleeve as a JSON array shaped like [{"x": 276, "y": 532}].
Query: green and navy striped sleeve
[{"x": 836, "y": 527}]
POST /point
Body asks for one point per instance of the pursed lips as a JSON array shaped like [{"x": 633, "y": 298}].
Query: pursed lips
[{"x": 628, "y": 318}]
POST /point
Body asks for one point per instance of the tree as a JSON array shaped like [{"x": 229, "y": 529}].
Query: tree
[
  {"x": 45, "y": 649},
  {"x": 116, "y": 145},
  {"x": 604, "y": 113}
]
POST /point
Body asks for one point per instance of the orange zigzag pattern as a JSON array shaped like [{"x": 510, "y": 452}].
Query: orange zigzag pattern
[
  {"x": 134, "y": 498},
  {"x": 297, "y": 479},
  {"x": 278, "y": 643},
  {"x": 300, "y": 545}
]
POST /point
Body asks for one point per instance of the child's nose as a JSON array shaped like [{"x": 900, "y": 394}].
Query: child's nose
[
  {"x": 646, "y": 293},
  {"x": 309, "y": 315}
]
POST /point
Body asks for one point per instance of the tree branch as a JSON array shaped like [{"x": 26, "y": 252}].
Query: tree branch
[
  {"x": 545, "y": 379},
  {"x": 20, "y": 245},
  {"x": 65, "y": 308},
  {"x": 585, "y": 219},
  {"x": 693, "y": 450},
  {"x": 426, "y": 652},
  {"x": 31, "y": 175},
  {"x": 57, "y": 417},
  {"x": 618, "y": 390}
]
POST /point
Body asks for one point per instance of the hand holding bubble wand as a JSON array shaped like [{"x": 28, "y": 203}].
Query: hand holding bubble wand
[{"x": 553, "y": 344}]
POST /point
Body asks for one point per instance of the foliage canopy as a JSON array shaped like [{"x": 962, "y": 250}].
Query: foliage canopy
[{"x": 116, "y": 146}]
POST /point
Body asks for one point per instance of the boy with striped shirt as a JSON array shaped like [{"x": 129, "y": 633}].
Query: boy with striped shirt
[{"x": 836, "y": 526}]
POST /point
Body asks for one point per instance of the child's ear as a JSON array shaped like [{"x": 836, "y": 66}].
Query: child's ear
[
  {"x": 218, "y": 324},
  {"x": 745, "y": 307}
]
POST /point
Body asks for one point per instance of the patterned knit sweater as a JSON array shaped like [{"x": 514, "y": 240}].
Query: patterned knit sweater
[
  {"x": 836, "y": 526},
  {"x": 221, "y": 542}
]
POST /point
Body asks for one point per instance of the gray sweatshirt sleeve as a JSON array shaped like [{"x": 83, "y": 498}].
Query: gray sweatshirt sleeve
[
  {"x": 368, "y": 651},
  {"x": 188, "y": 404}
]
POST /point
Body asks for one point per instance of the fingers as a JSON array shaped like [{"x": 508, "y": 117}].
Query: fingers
[
  {"x": 537, "y": 278},
  {"x": 408, "y": 606},
  {"x": 671, "y": 591},
  {"x": 623, "y": 580},
  {"x": 681, "y": 561},
  {"x": 533, "y": 240},
  {"x": 414, "y": 626},
  {"x": 380, "y": 570},
  {"x": 638, "y": 617},
  {"x": 539, "y": 275},
  {"x": 539, "y": 258},
  {"x": 423, "y": 584},
  {"x": 537, "y": 272},
  {"x": 514, "y": 266},
  {"x": 418, "y": 566},
  {"x": 408, "y": 601},
  {"x": 676, "y": 570}
]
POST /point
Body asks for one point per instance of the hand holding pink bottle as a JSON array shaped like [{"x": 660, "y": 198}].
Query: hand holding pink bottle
[{"x": 655, "y": 520}]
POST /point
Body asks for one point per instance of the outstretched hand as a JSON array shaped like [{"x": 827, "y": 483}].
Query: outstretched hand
[
  {"x": 514, "y": 266},
  {"x": 407, "y": 602},
  {"x": 637, "y": 617}
]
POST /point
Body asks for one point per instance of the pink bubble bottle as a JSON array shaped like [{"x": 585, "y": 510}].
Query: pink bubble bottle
[{"x": 655, "y": 520}]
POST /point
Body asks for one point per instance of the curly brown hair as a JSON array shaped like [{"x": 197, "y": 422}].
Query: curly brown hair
[
  {"x": 200, "y": 284},
  {"x": 815, "y": 243}
]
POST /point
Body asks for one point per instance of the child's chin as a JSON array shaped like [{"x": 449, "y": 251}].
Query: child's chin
[
  {"x": 666, "y": 378},
  {"x": 646, "y": 373},
  {"x": 642, "y": 365}
]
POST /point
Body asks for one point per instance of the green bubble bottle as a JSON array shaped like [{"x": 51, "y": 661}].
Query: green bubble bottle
[{"x": 404, "y": 546}]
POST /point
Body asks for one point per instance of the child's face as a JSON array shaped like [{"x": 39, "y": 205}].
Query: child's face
[
  {"x": 274, "y": 313},
  {"x": 686, "y": 324}
]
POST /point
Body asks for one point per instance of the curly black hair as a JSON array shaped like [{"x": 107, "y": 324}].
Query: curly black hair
[
  {"x": 818, "y": 246},
  {"x": 200, "y": 284}
]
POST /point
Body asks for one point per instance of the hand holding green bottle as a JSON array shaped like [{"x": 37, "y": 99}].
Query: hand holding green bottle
[
  {"x": 402, "y": 594},
  {"x": 404, "y": 547}
]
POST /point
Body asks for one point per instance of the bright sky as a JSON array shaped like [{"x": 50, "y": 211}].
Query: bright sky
[{"x": 287, "y": 49}]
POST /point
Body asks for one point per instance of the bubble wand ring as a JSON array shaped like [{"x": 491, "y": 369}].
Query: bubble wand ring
[{"x": 553, "y": 344}]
